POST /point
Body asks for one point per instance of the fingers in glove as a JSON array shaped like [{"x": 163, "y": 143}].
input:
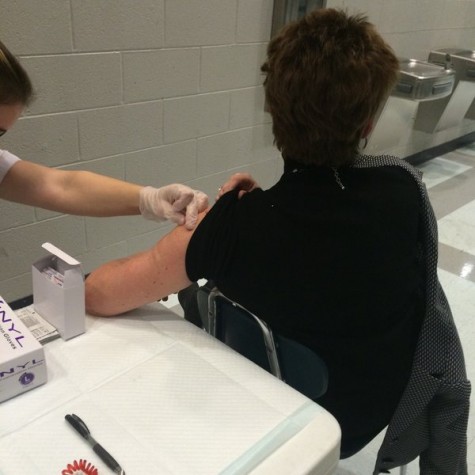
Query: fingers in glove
[
  {"x": 191, "y": 216},
  {"x": 184, "y": 199},
  {"x": 198, "y": 205}
]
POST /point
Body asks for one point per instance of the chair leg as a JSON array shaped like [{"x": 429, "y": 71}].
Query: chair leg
[{"x": 403, "y": 470}]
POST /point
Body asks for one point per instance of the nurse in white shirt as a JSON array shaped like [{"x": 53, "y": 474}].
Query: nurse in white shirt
[{"x": 79, "y": 192}]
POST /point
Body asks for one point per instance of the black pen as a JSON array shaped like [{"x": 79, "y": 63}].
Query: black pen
[{"x": 105, "y": 456}]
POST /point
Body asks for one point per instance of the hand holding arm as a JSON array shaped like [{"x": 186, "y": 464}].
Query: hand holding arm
[
  {"x": 90, "y": 194},
  {"x": 241, "y": 181},
  {"x": 176, "y": 202}
]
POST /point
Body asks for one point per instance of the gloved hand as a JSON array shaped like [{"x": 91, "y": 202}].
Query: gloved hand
[{"x": 176, "y": 202}]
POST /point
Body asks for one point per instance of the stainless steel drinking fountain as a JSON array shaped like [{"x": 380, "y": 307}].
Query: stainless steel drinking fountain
[
  {"x": 419, "y": 83},
  {"x": 450, "y": 111},
  {"x": 422, "y": 81}
]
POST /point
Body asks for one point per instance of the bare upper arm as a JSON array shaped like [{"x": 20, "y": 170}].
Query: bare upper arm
[
  {"x": 32, "y": 184},
  {"x": 128, "y": 283},
  {"x": 17, "y": 184}
]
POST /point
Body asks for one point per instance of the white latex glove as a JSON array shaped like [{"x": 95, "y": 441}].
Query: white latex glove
[{"x": 176, "y": 202}]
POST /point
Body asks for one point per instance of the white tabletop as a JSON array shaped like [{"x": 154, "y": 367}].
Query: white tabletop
[{"x": 163, "y": 397}]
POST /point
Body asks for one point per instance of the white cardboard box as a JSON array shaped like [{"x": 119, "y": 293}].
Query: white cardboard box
[
  {"x": 58, "y": 292},
  {"x": 22, "y": 358}
]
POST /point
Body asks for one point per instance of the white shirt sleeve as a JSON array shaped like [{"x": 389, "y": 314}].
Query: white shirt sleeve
[{"x": 7, "y": 160}]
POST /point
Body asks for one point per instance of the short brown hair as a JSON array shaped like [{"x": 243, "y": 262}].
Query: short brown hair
[
  {"x": 326, "y": 76},
  {"x": 15, "y": 85}
]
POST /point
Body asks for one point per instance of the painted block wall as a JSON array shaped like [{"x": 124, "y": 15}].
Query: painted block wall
[
  {"x": 414, "y": 27},
  {"x": 150, "y": 91},
  {"x": 155, "y": 92}
]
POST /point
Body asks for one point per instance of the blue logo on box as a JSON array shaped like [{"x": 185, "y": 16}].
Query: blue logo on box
[{"x": 26, "y": 378}]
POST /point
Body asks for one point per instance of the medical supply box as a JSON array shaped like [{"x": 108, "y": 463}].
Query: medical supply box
[
  {"x": 58, "y": 292},
  {"x": 22, "y": 358}
]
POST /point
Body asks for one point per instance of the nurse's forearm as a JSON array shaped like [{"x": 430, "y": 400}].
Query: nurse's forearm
[{"x": 73, "y": 192}]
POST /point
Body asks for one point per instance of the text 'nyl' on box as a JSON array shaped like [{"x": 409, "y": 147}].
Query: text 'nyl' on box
[
  {"x": 58, "y": 292},
  {"x": 22, "y": 358}
]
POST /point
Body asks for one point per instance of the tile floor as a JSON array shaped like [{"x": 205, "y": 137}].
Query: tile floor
[{"x": 451, "y": 183}]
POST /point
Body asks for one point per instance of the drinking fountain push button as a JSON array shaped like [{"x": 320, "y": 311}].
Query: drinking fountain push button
[{"x": 404, "y": 88}]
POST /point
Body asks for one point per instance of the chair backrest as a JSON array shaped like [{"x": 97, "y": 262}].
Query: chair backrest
[
  {"x": 290, "y": 361},
  {"x": 247, "y": 334}
]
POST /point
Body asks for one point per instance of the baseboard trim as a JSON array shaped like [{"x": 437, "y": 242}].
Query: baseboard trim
[{"x": 441, "y": 149}]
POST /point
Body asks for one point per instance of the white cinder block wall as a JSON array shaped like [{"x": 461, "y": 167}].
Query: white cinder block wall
[
  {"x": 151, "y": 91},
  {"x": 155, "y": 92},
  {"x": 414, "y": 27}
]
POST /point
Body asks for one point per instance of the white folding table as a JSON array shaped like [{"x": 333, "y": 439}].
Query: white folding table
[{"x": 163, "y": 397}]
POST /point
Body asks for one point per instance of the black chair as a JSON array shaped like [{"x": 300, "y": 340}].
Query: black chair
[
  {"x": 253, "y": 338},
  {"x": 247, "y": 334}
]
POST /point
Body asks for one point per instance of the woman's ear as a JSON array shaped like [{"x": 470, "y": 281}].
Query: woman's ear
[{"x": 367, "y": 130}]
